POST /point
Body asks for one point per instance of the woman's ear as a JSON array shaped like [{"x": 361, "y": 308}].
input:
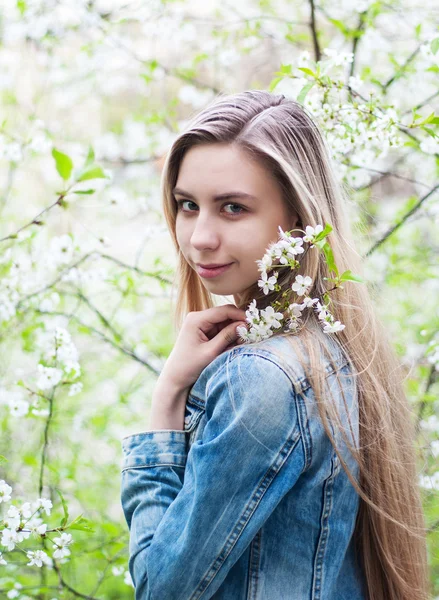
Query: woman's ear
[{"x": 296, "y": 223}]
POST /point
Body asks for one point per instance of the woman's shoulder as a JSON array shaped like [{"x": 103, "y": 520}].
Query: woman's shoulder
[
  {"x": 275, "y": 358},
  {"x": 293, "y": 354}
]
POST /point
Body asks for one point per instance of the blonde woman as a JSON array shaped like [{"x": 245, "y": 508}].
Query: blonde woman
[{"x": 282, "y": 469}]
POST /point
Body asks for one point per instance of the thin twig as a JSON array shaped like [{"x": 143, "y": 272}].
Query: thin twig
[
  {"x": 422, "y": 103},
  {"x": 397, "y": 74},
  {"x": 69, "y": 587},
  {"x": 431, "y": 379},
  {"x": 34, "y": 220},
  {"x": 392, "y": 229},
  {"x": 314, "y": 32},
  {"x": 46, "y": 443}
]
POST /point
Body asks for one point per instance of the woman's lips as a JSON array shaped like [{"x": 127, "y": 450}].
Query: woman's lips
[{"x": 209, "y": 273}]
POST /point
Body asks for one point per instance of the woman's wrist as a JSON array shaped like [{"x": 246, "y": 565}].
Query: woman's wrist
[{"x": 168, "y": 406}]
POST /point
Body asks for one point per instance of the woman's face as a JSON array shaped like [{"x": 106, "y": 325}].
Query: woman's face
[{"x": 235, "y": 228}]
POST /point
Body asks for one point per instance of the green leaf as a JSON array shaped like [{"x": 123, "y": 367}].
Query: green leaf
[
  {"x": 3, "y": 459},
  {"x": 286, "y": 70},
  {"x": 84, "y": 192},
  {"x": 90, "y": 157},
  {"x": 434, "y": 45},
  {"x": 430, "y": 119},
  {"x": 81, "y": 524},
  {"x": 64, "y": 164},
  {"x": 65, "y": 509},
  {"x": 430, "y": 131},
  {"x": 95, "y": 172},
  {"x": 349, "y": 276},
  {"x": 304, "y": 91},
  {"x": 340, "y": 26},
  {"x": 326, "y": 231},
  {"x": 330, "y": 258},
  {"x": 307, "y": 71},
  {"x": 21, "y": 5},
  {"x": 274, "y": 83}
]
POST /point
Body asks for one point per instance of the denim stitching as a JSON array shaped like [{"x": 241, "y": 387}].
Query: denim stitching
[
  {"x": 282, "y": 456},
  {"x": 322, "y": 543}
]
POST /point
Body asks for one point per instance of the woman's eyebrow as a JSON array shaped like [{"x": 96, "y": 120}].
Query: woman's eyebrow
[{"x": 225, "y": 196}]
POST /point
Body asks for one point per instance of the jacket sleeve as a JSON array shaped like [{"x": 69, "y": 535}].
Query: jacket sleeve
[{"x": 192, "y": 515}]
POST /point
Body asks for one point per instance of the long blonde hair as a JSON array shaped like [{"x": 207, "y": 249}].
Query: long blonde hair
[{"x": 390, "y": 531}]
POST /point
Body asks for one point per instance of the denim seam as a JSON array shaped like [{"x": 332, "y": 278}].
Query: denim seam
[
  {"x": 155, "y": 431},
  {"x": 322, "y": 543},
  {"x": 152, "y": 465},
  {"x": 302, "y": 382},
  {"x": 234, "y": 536},
  {"x": 195, "y": 417},
  {"x": 254, "y": 566}
]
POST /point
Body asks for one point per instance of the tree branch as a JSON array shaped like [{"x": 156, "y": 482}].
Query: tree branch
[
  {"x": 402, "y": 221},
  {"x": 122, "y": 349},
  {"x": 314, "y": 33}
]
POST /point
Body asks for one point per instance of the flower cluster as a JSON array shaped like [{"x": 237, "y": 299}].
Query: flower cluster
[
  {"x": 263, "y": 323},
  {"x": 19, "y": 523},
  {"x": 58, "y": 349}
]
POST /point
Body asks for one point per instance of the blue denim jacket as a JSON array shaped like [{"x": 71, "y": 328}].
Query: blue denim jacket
[{"x": 250, "y": 501}]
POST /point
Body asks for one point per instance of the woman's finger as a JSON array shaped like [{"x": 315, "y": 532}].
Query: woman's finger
[
  {"x": 217, "y": 314},
  {"x": 225, "y": 338}
]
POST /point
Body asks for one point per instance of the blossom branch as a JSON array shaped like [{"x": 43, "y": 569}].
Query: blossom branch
[{"x": 106, "y": 339}]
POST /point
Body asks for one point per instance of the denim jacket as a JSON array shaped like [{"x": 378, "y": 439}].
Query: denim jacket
[{"x": 249, "y": 501}]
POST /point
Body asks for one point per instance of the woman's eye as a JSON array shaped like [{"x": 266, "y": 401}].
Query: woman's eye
[
  {"x": 240, "y": 210},
  {"x": 181, "y": 202}
]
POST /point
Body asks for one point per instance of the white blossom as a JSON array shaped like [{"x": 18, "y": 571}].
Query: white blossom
[
  {"x": 338, "y": 58},
  {"x": 43, "y": 503},
  {"x": 266, "y": 262},
  {"x": 61, "y": 544},
  {"x": 267, "y": 284},
  {"x": 272, "y": 318},
  {"x": 61, "y": 250},
  {"x": 311, "y": 233},
  {"x": 37, "y": 558},
  {"x": 430, "y": 145},
  {"x": 18, "y": 407},
  {"x": 309, "y": 302},
  {"x": 9, "y": 538},
  {"x": 333, "y": 327},
  {"x": 12, "y": 519},
  {"x": 295, "y": 309},
  {"x": 301, "y": 284},
  {"x": 5, "y": 491},
  {"x": 75, "y": 388},
  {"x": 49, "y": 376}
]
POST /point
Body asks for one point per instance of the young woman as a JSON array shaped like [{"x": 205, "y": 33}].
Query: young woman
[{"x": 282, "y": 469}]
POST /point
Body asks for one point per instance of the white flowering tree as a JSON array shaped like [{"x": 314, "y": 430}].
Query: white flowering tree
[{"x": 92, "y": 94}]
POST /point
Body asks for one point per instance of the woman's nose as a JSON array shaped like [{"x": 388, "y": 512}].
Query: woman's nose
[{"x": 205, "y": 234}]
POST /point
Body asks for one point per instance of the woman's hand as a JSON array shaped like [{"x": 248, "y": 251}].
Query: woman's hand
[{"x": 204, "y": 335}]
